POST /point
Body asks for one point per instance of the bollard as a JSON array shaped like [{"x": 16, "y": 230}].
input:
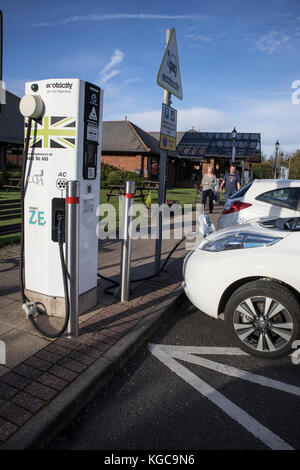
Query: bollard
[
  {"x": 72, "y": 252},
  {"x": 126, "y": 244}
]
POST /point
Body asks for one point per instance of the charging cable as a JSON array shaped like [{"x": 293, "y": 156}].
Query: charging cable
[{"x": 116, "y": 284}]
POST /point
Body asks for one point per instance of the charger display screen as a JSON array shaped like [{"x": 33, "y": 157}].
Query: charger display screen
[{"x": 91, "y": 153}]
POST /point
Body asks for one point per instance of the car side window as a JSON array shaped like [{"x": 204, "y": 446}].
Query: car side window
[
  {"x": 283, "y": 197},
  {"x": 241, "y": 192}
]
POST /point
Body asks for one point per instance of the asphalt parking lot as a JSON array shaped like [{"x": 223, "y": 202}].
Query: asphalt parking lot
[{"x": 202, "y": 393}]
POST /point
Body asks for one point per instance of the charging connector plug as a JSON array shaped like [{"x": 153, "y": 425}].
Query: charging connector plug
[
  {"x": 30, "y": 308},
  {"x": 61, "y": 229}
]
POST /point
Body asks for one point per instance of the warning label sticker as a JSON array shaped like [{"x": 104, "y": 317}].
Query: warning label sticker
[
  {"x": 93, "y": 115},
  {"x": 92, "y": 132}
]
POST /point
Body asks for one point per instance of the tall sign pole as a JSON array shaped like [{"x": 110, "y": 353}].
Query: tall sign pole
[
  {"x": 169, "y": 79},
  {"x": 161, "y": 182}
]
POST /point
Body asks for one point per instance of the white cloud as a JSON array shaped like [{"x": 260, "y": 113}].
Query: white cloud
[
  {"x": 274, "y": 119},
  {"x": 114, "y": 60},
  {"x": 132, "y": 80},
  {"x": 199, "y": 37},
  {"x": 270, "y": 42},
  {"x": 205, "y": 119},
  {"x": 120, "y": 16},
  {"x": 109, "y": 75}
]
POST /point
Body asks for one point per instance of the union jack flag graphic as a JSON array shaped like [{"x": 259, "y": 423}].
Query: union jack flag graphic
[{"x": 53, "y": 132}]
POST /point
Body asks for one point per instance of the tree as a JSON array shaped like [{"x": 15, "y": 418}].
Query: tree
[
  {"x": 294, "y": 165},
  {"x": 263, "y": 170}
]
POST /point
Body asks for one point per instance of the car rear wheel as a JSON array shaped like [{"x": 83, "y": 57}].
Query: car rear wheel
[{"x": 263, "y": 318}]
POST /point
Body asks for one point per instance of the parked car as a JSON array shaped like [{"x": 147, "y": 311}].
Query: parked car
[
  {"x": 250, "y": 274},
  {"x": 262, "y": 198}
]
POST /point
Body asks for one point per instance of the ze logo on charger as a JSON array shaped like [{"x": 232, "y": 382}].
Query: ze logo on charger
[{"x": 36, "y": 217}]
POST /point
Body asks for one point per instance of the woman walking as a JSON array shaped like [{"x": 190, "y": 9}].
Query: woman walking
[{"x": 208, "y": 185}]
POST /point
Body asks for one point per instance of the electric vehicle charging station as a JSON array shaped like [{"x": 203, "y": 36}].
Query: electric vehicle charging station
[{"x": 64, "y": 145}]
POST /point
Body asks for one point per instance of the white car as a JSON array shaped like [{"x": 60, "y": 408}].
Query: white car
[
  {"x": 250, "y": 274},
  {"x": 262, "y": 198}
]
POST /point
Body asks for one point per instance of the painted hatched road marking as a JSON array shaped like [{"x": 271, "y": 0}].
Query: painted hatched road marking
[{"x": 168, "y": 355}]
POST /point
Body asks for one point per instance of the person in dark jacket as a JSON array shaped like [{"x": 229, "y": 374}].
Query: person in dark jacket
[{"x": 232, "y": 182}]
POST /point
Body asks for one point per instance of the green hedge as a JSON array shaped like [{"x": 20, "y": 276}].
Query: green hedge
[
  {"x": 13, "y": 172},
  {"x": 111, "y": 175}
]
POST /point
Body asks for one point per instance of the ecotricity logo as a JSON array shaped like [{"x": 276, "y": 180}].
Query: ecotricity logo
[
  {"x": 53, "y": 132},
  {"x": 60, "y": 85}
]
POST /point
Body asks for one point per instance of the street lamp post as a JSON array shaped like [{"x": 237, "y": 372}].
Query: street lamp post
[
  {"x": 276, "y": 156},
  {"x": 233, "y": 145}
]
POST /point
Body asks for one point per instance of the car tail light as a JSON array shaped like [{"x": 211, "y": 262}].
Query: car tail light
[{"x": 235, "y": 206}]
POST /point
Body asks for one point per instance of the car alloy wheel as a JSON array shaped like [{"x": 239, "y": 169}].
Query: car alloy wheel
[
  {"x": 263, "y": 324},
  {"x": 263, "y": 318}
]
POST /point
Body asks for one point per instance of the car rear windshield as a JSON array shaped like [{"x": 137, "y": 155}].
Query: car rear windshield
[
  {"x": 283, "y": 197},
  {"x": 241, "y": 192}
]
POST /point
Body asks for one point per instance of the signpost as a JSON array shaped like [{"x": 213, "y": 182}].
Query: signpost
[{"x": 169, "y": 79}]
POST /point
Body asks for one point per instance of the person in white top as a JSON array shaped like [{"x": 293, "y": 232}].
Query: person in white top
[{"x": 208, "y": 186}]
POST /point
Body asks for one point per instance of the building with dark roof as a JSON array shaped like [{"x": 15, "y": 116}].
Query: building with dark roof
[
  {"x": 11, "y": 131},
  {"x": 128, "y": 147},
  {"x": 196, "y": 150}
]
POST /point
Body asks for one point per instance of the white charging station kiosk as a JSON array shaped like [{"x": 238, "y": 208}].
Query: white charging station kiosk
[{"x": 65, "y": 144}]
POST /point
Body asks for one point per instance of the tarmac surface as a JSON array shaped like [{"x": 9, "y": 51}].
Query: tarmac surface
[{"x": 147, "y": 406}]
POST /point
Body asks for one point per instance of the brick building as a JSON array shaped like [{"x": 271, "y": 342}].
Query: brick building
[
  {"x": 127, "y": 147},
  {"x": 11, "y": 132}
]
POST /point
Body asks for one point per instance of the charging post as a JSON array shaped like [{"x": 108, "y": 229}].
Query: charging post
[
  {"x": 63, "y": 150},
  {"x": 127, "y": 241},
  {"x": 72, "y": 252}
]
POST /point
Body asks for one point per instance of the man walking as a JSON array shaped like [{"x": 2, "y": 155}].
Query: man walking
[{"x": 232, "y": 183}]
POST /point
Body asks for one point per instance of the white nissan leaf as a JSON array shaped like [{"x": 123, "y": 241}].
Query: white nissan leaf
[
  {"x": 262, "y": 198},
  {"x": 251, "y": 275}
]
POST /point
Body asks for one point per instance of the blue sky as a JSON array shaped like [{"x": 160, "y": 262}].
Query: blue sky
[{"x": 238, "y": 59}]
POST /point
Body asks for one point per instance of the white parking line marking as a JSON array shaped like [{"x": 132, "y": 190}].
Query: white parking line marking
[
  {"x": 166, "y": 354},
  {"x": 238, "y": 373}
]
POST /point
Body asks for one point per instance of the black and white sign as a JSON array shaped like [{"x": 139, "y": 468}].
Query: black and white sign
[{"x": 168, "y": 76}]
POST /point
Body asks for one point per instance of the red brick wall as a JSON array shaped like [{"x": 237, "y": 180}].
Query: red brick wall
[
  {"x": 132, "y": 163},
  {"x": 208, "y": 161},
  {"x": 14, "y": 159},
  {"x": 171, "y": 181}
]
